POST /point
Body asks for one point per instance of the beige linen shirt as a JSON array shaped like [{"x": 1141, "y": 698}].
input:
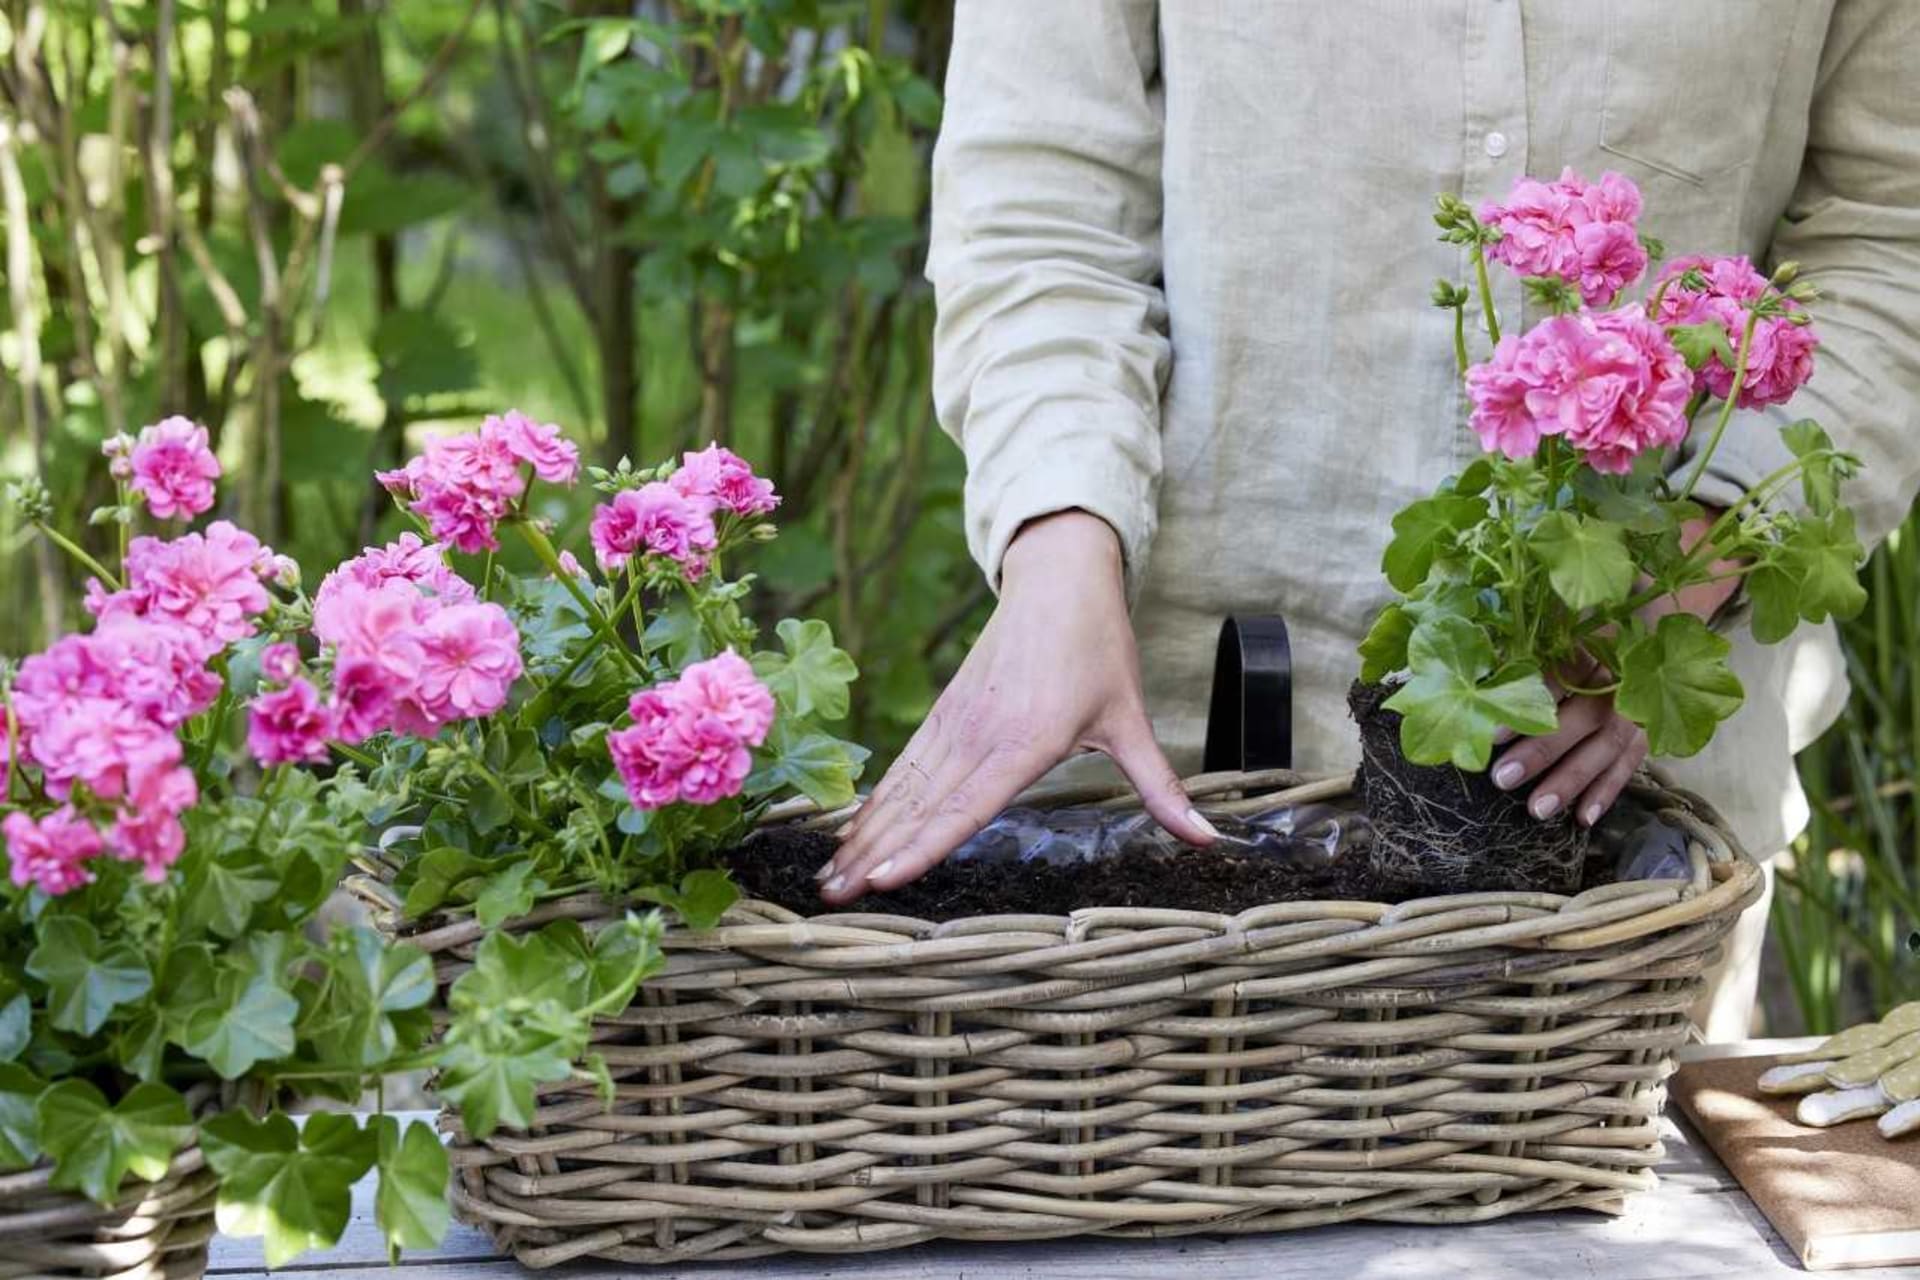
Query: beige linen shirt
[{"x": 1182, "y": 252}]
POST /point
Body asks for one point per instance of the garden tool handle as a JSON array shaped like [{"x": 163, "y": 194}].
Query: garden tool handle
[{"x": 1250, "y": 721}]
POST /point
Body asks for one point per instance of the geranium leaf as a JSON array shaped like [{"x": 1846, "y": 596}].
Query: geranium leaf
[
  {"x": 292, "y": 1186},
  {"x": 94, "y": 1146},
  {"x": 1586, "y": 560},
  {"x": 411, "y": 1204},
  {"x": 627, "y": 952},
  {"x": 20, "y": 1090},
  {"x": 490, "y": 1067},
  {"x": 701, "y": 899},
  {"x": 250, "y": 1021},
  {"x": 1450, "y": 708},
  {"x": 1819, "y": 477},
  {"x": 1384, "y": 650},
  {"x": 1423, "y": 530},
  {"x": 1675, "y": 684},
  {"x": 86, "y": 980},
  {"x": 817, "y": 765},
  {"x": 1775, "y": 595},
  {"x": 810, "y": 679},
  {"x": 507, "y": 894},
  {"x": 1699, "y": 343},
  {"x": 1824, "y": 556},
  {"x": 16, "y": 1026},
  {"x": 376, "y": 1000}
]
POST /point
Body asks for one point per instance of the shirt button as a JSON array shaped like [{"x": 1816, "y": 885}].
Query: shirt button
[{"x": 1496, "y": 144}]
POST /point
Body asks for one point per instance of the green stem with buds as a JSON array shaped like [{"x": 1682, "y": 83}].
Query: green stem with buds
[
  {"x": 602, "y": 625},
  {"x": 73, "y": 549},
  {"x": 1486, "y": 292},
  {"x": 1726, "y": 410}
]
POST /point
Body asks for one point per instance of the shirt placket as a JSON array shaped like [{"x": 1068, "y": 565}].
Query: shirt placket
[{"x": 1494, "y": 146}]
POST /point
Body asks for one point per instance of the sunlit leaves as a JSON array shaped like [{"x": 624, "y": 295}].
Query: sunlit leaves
[
  {"x": 1425, "y": 530},
  {"x": 1675, "y": 683},
  {"x": 95, "y": 1144},
  {"x": 1586, "y": 560},
  {"x": 87, "y": 978},
  {"x": 1454, "y": 701},
  {"x": 292, "y": 1186}
]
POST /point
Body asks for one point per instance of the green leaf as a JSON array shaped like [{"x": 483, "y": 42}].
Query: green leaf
[
  {"x": 1448, "y": 714},
  {"x": 627, "y": 953},
  {"x": 1675, "y": 684},
  {"x": 815, "y": 764},
  {"x": 86, "y": 980},
  {"x": 1475, "y": 479},
  {"x": 1819, "y": 477},
  {"x": 292, "y": 1186},
  {"x": 701, "y": 899},
  {"x": 1824, "y": 556},
  {"x": 1699, "y": 343},
  {"x": 442, "y": 875},
  {"x": 377, "y": 1000},
  {"x": 1425, "y": 530},
  {"x": 16, "y": 1026},
  {"x": 525, "y": 970},
  {"x": 1586, "y": 560},
  {"x": 1624, "y": 501},
  {"x": 249, "y": 1021},
  {"x": 507, "y": 894},
  {"x": 94, "y": 1146},
  {"x": 20, "y": 1090},
  {"x": 1775, "y": 595},
  {"x": 1384, "y": 650},
  {"x": 411, "y": 1204},
  {"x": 221, "y": 897},
  {"x": 812, "y": 677}
]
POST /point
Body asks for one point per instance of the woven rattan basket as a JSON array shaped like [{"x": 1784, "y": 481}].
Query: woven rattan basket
[
  {"x": 857, "y": 1081},
  {"x": 156, "y": 1231}
]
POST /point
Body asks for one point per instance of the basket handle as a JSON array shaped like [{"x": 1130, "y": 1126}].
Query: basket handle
[{"x": 1250, "y": 722}]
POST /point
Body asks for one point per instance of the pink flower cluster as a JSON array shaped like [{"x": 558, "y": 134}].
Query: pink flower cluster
[
  {"x": 99, "y": 713},
  {"x": 1609, "y": 382},
  {"x": 1573, "y": 230},
  {"x": 464, "y": 485},
  {"x": 172, "y": 467},
  {"x": 210, "y": 584},
  {"x": 674, "y": 518},
  {"x": 1781, "y": 361},
  {"x": 691, "y": 739},
  {"x": 412, "y": 649}
]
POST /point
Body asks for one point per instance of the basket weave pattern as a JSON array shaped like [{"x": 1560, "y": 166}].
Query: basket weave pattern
[
  {"x": 156, "y": 1231},
  {"x": 859, "y": 1081}
]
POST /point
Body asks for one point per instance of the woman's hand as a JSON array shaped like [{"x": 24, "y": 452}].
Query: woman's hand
[
  {"x": 1586, "y": 763},
  {"x": 1054, "y": 672}
]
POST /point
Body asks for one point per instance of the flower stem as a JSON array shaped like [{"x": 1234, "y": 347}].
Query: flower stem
[
  {"x": 1487, "y": 310},
  {"x": 603, "y": 626},
  {"x": 1460, "y": 338},
  {"x": 73, "y": 549},
  {"x": 356, "y": 755},
  {"x": 1726, "y": 409}
]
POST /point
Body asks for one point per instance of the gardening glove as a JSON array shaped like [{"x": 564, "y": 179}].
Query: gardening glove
[{"x": 1869, "y": 1070}]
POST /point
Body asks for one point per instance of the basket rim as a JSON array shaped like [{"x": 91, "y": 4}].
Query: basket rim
[{"x": 1724, "y": 877}]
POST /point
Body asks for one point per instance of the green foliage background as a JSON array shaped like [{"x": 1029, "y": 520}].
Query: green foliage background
[{"x": 321, "y": 228}]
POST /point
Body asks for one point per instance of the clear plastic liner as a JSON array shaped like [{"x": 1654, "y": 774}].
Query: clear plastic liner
[{"x": 1308, "y": 836}]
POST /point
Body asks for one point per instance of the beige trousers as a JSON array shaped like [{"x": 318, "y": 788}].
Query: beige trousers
[{"x": 1725, "y": 1010}]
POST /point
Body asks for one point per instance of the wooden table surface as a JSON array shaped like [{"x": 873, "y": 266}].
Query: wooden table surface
[{"x": 1698, "y": 1223}]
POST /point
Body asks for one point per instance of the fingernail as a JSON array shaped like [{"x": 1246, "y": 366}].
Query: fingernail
[
  {"x": 1508, "y": 774},
  {"x": 1593, "y": 814},
  {"x": 825, "y": 870},
  {"x": 1199, "y": 820},
  {"x": 1545, "y": 807},
  {"x": 835, "y": 885},
  {"x": 886, "y": 865}
]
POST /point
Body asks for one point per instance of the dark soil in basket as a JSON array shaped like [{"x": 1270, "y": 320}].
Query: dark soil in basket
[{"x": 777, "y": 865}]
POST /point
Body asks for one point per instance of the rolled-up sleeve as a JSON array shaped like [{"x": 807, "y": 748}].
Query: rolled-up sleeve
[
  {"x": 1051, "y": 346},
  {"x": 1854, "y": 226}
]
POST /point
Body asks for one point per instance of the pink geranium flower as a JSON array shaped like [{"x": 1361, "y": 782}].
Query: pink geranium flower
[
  {"x": 469, "y": 659},
  {"x": 148, "y": 830},
  {"x": 363, "y": 697},
  {"x": 280, "y": 662},
  {"x": 690, "y": 740},
  {"x": 406, "y": 559},
  {"x": 724, "y": 479},
  {"x": 1610, "y": 382},
  {"x": 1572, "y": 230},
  {"x": 207, "y": 583},
  {"x": 101, "y": 743},
  {"x": 552, "y": 456},
  {"x": 173, "y": 468},
  {"x": 50, "y": 854},
  {"x": 655, "y": 519},
  {"x": 1781, "y": 361},
  {"x": 289, "y": 726}
]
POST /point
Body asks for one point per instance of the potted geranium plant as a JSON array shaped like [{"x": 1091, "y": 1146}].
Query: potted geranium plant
[
  {"x": 164, "y": 985},
  {"x": 1548, "y": 564}
]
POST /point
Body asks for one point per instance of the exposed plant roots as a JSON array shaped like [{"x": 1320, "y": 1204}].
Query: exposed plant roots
[{"x": 1450, "y": 831}]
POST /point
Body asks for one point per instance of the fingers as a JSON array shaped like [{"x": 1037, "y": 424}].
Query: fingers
[
  {"x": 1531, "y": 757},
  {"x": 1592, "y": 772},
  {"x": 1605, "y": 789},
  {"x": 1131, "y": 744},
  {"x": 940, "y": 816}
]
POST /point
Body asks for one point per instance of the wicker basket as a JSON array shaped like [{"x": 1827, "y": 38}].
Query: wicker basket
[
  {"x": 157, "y": 1230},
  {"x": 858, "y": 1082}
]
